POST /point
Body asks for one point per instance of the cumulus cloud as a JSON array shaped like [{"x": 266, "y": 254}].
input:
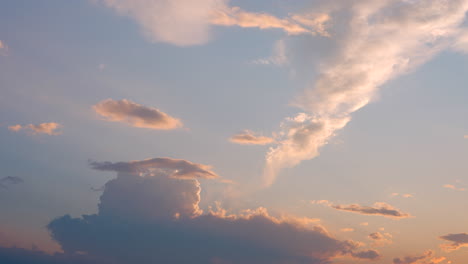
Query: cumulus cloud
[
  {"x": 187, "y": 22},
  {"x": 9, "y": 180},
  {"x": 382, "y": 40},
  {"x": 380, "y": 239},
  {"x": 381, "y": 209},
  {"x": 453, "y": 187},
  {"x": 176, "y": 168},
  {"x": 51, "y": 129},
  {"x": 156, "y": 218},
  {"x": 136, "y": 115},
  {"x": 427, "y": 258},
  {"x": 250, "y": 138},
  {"x": 457, "y": 241}
]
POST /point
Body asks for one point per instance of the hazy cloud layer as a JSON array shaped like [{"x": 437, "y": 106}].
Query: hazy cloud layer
[
  {"x": 136, "y": 115},
  {"x": 156, "y": 219},
  {"x": 383, "y": 40},
  {"x": 51, "y": 129},
  {"x": 381, "y": 209},
  {"x": 176, "y": 168},
  {"x": 250, "y": 138},
  {"x": 456, "y": 241},
  {"x": 187, "y": 22}
]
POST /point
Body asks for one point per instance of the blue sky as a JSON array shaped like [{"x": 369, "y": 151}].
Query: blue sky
[{"x": 383, "y": 102}]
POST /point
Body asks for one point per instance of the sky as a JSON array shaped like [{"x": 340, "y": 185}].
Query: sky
[{"x": 226, "y": 132}]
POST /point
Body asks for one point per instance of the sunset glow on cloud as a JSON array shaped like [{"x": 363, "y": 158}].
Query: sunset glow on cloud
[{"x": 234, "y": 132}]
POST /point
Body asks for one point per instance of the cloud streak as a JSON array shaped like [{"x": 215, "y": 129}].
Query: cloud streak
[
  {"x": 384, "y": 40},
  {"x": 250, "y": 138},
  {"x": 379, "y": 209},
  {"x": 51, "y": 129},
  {"x": 136, "y": 115}
]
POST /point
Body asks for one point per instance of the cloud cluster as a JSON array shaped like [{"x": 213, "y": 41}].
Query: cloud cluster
[
  {"x": 175, "y": 168},
  {"x": 136, "y": 115},
  {"x": 51, "y": 128},
  {"x": 427, "y": 258},
  {"x": 187, "y": 22},
  {"x": 382, "y": 40},
  {"x": 457, "y": 241},
  {"x": 380, "y": 209},
  {"x": 155, "y": 218},
  {"x": 250, "y": 138}
]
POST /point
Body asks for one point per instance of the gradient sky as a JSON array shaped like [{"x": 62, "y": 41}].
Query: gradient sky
[{"x": 340, "y": 124}]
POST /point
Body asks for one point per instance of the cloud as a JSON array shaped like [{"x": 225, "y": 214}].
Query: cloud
[
  {"x": 457, "y": 241},
  {"x": 346, "y": 230},
  {"x": 380, "y": 239},
  {"x": 426, "y": 258},
  {"x": 3, "y": 49},
  {"x": 378, "y": 41},
  {"x": 51, "y": 128},
  {"x": 407, "y": 195},
  {"x": 136, "y": 115},
  {"x": 187, "y": 22},
  {"x": 278, "y": 57},
  {"x": 9, "y": 180},
  {"x": 156, "y": 218},
  {"x": 381, "y": 209},
  {"x": 294, "y": 25},
  {"x": 453, "y": 187},
  {"x": 250, "y": 138},
  {"x": 176, "y": 168}
]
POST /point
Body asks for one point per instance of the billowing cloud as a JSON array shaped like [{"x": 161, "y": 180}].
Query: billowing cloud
[
  {"x": 155, "y": 218},
  {"x": 250, "y": 138},
  {"x": 383, "y": 40},
  {"x": 457, "y": 241},
  {"x": 427, "y": 258},
  {"x": 187, "y": 22},
  {"x": 381, "y": 209},
  {"x": 136, "y": 115},
  {"x": 51, "y": 128},
  {"x": 9, "y": 180},
  {"x": 453, "y": 187},
  {"x": 176, "y": 168}
]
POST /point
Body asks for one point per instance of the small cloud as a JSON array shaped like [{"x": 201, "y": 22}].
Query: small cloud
[
  {"x": 457, "y": 241},
  {"x": 465, "y": 136},
  {"x": 453, "y": 187},
  {"x": 3, "y": 49},
  {"x": 250, "y": 138},
  {"x": 51, "y": 129},
  {"x": 381, "y": 209},
  {"x": 10, "y": 180},
  {"x": 364, "y": 224},
  {"x": 278, "y": 57},
  {"x": 347, "y": 230},
  {"x": 102, "y": 66},
  {"x": 380, "y": 239},
  {"x": 406, "y": 195},
  {"x": 136, "y": 115}
]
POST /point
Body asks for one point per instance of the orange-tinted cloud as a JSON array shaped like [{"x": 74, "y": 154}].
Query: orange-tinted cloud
[
  {"x": 250, "y": 138},
  {"x": 136, "y": 115},
  {"x": 457, "y": 241},
  {"x": 380, "y": 209},
  {"x": 427, "y": 258},
  {"x": 453, "y": 187},
  {"x": 43, "y": 128}
]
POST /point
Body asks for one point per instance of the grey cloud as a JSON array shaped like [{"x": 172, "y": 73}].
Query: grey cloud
[
  {"x": 9, "y": 180},
  {"x": 456, "y": 241},
  {"x": 381, "y": 209}
]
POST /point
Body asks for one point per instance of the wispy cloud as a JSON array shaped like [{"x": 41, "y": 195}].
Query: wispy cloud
[
  {"x": 380, "y": 209},
  {"x": 406, "y": 195},
  {"x": 9, "y": 180},
  {"x": 136, "y": 115},
  {"x": 176, "y": 168},
  {"x": 453, "y": 187},
  {"x": 457, "y": 241},
  {"x": 384, "y": 40},
  {"x": 279, "y": 56},
  {"x": 250, "y": 138},
  {"x": 51, "y": 128}
]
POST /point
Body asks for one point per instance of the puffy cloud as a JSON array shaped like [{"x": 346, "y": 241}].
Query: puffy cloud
[
  {"x": 381, "y": 209},
  {"x": 457, "y": 241},
  {"x": 426, "y": 258},
  {"x": 155, "y": 218},
  {"x": 176, "y": 168},
  {"x": 250, "y": 138},
  {"x": 9, "y": 180},
  {"x": 43, "y": 128},
  {"x": 381, "y": 41},
  {"x": 187, "y": 22},
  {"x": 380, "y": 239},
  {"x": 453, "y": 187},
  {"x": 136, "y": 115}
]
